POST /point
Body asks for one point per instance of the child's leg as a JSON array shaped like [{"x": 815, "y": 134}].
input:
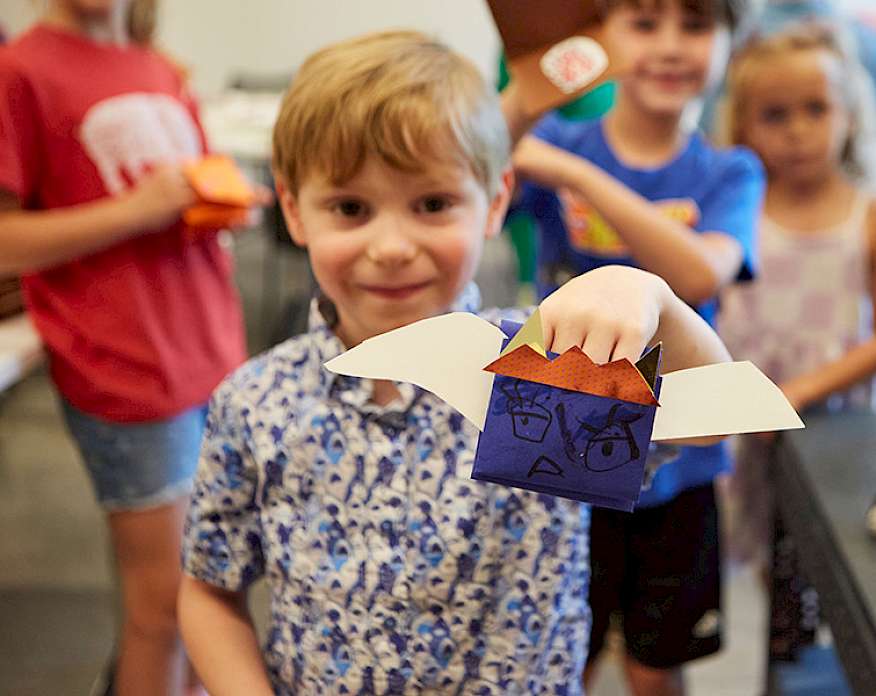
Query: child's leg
[
  {"x": 647, "y": 681},
  {"x": 147, "y": 548},
  {"x": 142, "y": 474},
  {"x": 608, "y": 567},
  {"x": 674, "y": 612}
]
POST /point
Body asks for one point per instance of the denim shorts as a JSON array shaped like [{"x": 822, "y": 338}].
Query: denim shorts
[{"x": 136, "y": 466}]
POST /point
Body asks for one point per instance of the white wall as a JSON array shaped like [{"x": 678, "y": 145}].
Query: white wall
[{"x": 219, "y": 37}]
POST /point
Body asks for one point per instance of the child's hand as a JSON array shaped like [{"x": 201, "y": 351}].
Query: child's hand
[
  {"x": 611, "y": 313},
  {"x": 263, "y": 198},
  {"x": 159, "y": 198},
  {"x": 798, "y": 392}
]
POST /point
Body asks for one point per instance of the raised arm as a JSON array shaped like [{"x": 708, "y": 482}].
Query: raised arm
[
  {"x": 696, "y": 265},
  {"x": 33, "y": 240}
]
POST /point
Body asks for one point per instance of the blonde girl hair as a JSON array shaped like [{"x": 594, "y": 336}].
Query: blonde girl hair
[{"x": 855, "y": 88}]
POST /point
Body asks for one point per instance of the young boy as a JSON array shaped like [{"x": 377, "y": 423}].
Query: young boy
[
  {"x": 635, "y": 188},
  {"x": 390, "y": 570}
]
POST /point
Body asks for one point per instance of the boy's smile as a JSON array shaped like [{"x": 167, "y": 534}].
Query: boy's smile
[{"x": 390, "y": 247}]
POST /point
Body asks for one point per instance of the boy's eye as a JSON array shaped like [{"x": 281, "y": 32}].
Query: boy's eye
[
  {"x": 350, "y": 208},
  {"x": 774, "y": 115},
  {"x": 697, "y": 24},
  {"x": 644, "y": 23},
  {"x": 816, "y": 108},
  {"x": 434, "y": 204}
]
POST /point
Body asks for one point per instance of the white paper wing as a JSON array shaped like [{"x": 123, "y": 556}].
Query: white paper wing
[
  {"x": 445, "y": 355},
  {"x": 722, "y": 399}
]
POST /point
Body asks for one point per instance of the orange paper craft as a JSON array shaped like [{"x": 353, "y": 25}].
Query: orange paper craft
[
  {"x": 211, "y": 216},
  {"x": 217, "y": 179},
  {"x": 574, "y": 371}
]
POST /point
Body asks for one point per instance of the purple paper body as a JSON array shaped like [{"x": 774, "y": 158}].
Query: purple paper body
[{"x": 566, "y": 443}]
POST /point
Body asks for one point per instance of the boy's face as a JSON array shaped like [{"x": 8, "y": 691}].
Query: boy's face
[
  {"x": 670, "y": 52},
  {"x": 389, "y": 247},
  {"x": 794, "y": 116}
]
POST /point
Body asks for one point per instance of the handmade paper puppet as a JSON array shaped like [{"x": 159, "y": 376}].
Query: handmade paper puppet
[
  {"x": 566, "y": 426},
  {"x": 224, "y": 193},
  {"x": 563, "y": 425},
  {"x": 556, "y": 50}
]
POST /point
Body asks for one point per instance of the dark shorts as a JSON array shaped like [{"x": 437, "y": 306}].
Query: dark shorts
[{"x": 658, "y": 570}]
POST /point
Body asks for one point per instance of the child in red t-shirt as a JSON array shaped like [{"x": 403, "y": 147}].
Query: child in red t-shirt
[{"x": 140, "y": 317}]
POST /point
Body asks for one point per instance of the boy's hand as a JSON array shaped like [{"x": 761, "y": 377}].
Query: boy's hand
[
  {"x": 611, "y": 313},
  {"x": 159, "y": 198}
]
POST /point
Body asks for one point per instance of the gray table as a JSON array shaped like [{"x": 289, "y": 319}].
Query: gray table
[{"x": 826, "y": 478}]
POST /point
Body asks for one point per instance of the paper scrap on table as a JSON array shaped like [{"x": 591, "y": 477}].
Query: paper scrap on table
[{"x": 561, "y": 424}]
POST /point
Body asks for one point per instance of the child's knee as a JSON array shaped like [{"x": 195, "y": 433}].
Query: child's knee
[{"x": 150, "y": 609}]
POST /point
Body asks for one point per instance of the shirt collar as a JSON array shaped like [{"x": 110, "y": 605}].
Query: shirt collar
[{"x": 357, "y": 391}]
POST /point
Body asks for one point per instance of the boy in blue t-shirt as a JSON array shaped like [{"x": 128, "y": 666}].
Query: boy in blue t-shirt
[{"x": 635, "y": 188}]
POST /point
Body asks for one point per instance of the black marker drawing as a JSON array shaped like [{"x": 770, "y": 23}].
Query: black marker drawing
[
  {"x": 609, "y": 447},
  {"x": 530, "y": 421},
  {"x": 545, "y": 465}
]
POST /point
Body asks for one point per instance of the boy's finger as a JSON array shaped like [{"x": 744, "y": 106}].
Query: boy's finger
[
  {"x": 598, "y": 346},
  {"x": 565, "y": 338},
  {"x": 629, "y": 346}
]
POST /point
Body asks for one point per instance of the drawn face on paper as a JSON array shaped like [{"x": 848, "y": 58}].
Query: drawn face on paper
[
  {"x": 608, "y": 447},
  {"x": 589, "y": 436}
]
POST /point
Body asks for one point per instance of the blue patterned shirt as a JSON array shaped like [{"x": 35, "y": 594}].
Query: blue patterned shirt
[{"x": 390, "y": 570}]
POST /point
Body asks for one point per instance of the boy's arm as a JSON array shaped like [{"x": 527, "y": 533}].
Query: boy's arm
[
  {"x": 32, "y": 240},
  {"x": 696, "y": 265},
  {"x": 853, "y": 366},
  {"x": 519, "y": 124},
  {"x": 616, "y": 312},
  {"x": 220, "y": 640}
]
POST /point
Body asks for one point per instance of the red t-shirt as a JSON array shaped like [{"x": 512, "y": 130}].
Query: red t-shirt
[{"x": 146, "y": 328}]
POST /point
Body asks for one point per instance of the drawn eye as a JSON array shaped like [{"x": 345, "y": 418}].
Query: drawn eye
[
  {"x": 606, "y": 454},
  {"x": 531, "y": 423}
]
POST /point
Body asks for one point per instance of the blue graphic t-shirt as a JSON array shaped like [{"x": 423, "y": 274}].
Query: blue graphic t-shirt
[{"x": 704, "y": 188}]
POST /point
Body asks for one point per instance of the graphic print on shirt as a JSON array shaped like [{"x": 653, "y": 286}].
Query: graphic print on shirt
[
  {"x": 125, "y": 136},
  {"x": 590, "y": 233}
]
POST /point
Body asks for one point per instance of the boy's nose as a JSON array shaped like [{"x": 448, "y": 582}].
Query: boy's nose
[
  {"x": 669, "y": 39},
  {"x": 390, "y": 244}
]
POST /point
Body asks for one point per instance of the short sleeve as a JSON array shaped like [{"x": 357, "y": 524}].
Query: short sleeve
[
  {"x": 733, "y": 205},
  {"x": 19, "y": 135},
  {"x": 222, "y": 544},
  {"x": 552, "y": 129}
]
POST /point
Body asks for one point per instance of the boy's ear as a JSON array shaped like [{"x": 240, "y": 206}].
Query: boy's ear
[
  {"x": 499, "y": 204},
  {"x": 291, "y": 215}
]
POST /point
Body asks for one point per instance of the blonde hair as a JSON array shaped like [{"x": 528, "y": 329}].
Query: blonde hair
[
  {"x": 400, "y": 96},
  {"x": 855, "y": 89}
]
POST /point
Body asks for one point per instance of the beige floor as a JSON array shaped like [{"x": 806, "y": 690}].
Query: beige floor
[{"x": 56, "y": 600}]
